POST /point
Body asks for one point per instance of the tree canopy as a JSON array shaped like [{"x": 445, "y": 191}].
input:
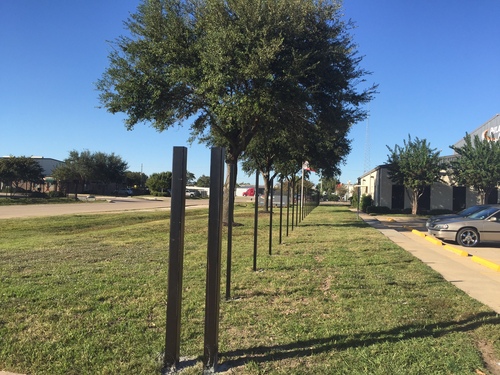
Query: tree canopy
[
  {"x": 414, "y": 165},
  {"x": 477, "y": 165},
  {"x": 159, "y": 182},
  {"x": 235, "y": 67},
  {"x": 84, "y": 167},
  {"x": 16, "y": 170}
]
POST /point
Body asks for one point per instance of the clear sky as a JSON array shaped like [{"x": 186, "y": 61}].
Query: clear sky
[{"x": 436, "y": 62}]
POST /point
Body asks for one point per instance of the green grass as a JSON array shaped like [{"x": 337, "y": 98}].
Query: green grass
[{"x": 86, "y": 294}]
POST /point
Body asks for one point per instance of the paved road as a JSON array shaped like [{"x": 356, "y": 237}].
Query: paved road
[
  {"x": 102, "y": 205},
  {"x": 475, "y": 279}
]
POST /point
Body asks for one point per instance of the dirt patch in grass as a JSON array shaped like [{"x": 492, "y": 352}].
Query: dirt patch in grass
[{"x": 490, "y": 360}]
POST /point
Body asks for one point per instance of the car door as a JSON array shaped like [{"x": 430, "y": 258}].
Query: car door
[{"x": 491, "y": 228}]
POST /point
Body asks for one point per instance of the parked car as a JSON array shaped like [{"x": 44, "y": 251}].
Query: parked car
[
  {"x": 249, "y": 193},
  {"x": 464, "y": 213},
  {"x": 123, "y": 192},
  {"x": 192, "y": 193},
  {"x": 481, "y": 226}
]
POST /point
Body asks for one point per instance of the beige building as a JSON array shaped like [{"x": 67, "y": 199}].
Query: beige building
[{"x": 438, "y": 196}]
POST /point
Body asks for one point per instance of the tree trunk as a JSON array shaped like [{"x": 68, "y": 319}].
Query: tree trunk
[
  {"x": 265, "y": 177},
  {"x": 414, "y": 203},
  {"x": 227, "y": 194},
  {"x": 483, "y": 196}
]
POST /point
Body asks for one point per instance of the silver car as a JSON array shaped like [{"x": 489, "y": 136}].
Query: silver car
[
  {"x": 464, "y": 213},
  {"x": 482, "y": 226}
]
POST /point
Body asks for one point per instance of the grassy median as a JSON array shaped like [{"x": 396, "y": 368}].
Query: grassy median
[{"x": 86, "y": 294}]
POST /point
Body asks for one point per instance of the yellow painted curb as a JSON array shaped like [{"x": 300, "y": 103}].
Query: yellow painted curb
[
  {"x": 456, "y": 251},
  {"x": 418, "y": 233},
  {"x": 460, "y": 252},
  {"x": 486, "y": 263},
  {"x": 434, "y": 240}
]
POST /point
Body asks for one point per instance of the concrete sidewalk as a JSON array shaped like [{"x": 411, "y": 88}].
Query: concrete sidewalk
[{"x": 463, "y": 267}]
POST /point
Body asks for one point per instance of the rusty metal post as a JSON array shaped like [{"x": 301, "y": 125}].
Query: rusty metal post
[
  {"x": 176, "y": 258},
  {"x": 214, "y": 247}
]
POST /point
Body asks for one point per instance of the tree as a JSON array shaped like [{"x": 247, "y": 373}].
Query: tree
[
  {"x": 107, "y": 168},
  {"x": 415, "y": 166},
  {"x": 477, "y": 165},
  {"x": 203, "y": 181},
  {"x": 81, "y": 168},
  {"x": 234, "y": 67},
  {"x": 159, "y": 182},
  {"x": 18, "y": 170},
  {"x": 135, "y": 178}
]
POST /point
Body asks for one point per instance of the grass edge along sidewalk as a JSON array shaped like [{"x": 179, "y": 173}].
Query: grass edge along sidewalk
[{"x": 86, "y": 294}]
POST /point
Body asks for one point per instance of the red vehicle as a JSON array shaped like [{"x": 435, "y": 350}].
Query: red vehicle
[{"x": 249, "y": 193}]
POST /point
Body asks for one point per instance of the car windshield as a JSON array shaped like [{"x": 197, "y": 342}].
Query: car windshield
[
  {"x": 483, "y": 214},
  {"x": 469, "y": 211}
]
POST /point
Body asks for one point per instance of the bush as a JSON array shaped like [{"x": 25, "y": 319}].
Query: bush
[
  {"x": 366, "y": 201},
  {"x": 37, "y": 194},
  {"x": 160, "y": 193},
  {"x": 56, "y": 194},
  {"x": 378, "y": 210}
]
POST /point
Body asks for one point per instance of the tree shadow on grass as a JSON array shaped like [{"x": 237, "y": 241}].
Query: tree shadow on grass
[{"x": 305, "y": 348}]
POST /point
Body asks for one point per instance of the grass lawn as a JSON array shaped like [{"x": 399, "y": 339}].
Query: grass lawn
[{"x": 86, "y": 294}]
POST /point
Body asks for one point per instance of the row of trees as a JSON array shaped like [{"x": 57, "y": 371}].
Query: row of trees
[
  {"x": 15, "y": 171},
  {"x": 274, "y": 82},
  {"x": 416, "y": 165},
  {"x": 81, "y": 169}
]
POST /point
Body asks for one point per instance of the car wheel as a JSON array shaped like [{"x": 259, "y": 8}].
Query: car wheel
[{"x": 467, "y": 237}]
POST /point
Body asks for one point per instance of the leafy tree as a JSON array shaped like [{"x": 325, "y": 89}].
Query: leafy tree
[
  {"x": 135, "y": 178},
  {"x": 18, "y": 170},
  {"x": 477, "y": 165},
  {"x": 107, "y": 168},
  {"x": 159, "y": 182},
  {"x": 235, "y": 67},
  {"x": 415, "y": 166},
  {"x": 203, "y": 181},
  {"x": 190, "y": 178},
  {"x": 81, "y": 168}
]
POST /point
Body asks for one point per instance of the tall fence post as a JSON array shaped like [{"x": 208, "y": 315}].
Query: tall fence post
[
  {"x": 281, "y": 210},
  {"x": 176, "y": 258},
  {"x": 271, "y": 219},
  {"x": 230, "y": 221},
  {"x": 256, "y": 219},
  {"x": 214, "y": 247}
]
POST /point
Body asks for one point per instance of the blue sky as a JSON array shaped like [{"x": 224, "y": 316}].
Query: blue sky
[{"x": 436, "y": 63}]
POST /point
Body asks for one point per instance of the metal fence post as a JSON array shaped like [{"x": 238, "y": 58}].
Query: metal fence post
[
  {"x": 232, "y": 183},
  {"x": 256, "y": 219},
  {"x": 214, "y": 246},
  {"x": 176, "y": 258}
]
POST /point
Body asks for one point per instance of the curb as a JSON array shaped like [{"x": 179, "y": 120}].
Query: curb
[{"x": 475, "y": 258}]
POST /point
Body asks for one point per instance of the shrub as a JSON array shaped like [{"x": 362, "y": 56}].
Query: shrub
[
  {"x": 37, "y": 194},
  {"x": 378, "y": 210},
  {"x": 366, "y": 201},
  {"x": 56, "y": 194}
]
